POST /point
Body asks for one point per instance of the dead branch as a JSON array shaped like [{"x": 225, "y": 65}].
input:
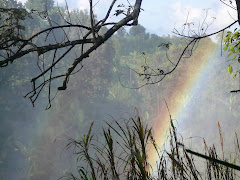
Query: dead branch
[{"x": 11, "y": 49}]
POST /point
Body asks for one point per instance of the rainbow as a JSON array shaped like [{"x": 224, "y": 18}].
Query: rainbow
[{"x": 179, "y": 99}]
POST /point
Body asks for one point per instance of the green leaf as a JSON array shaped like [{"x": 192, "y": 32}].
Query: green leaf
[
  {"x": 230, "y": 70},
  {"x": 229, "y": 54},
  {"x": 225, "y": 48},
  {"x": 234, "y": 57},
  {"x": 231, "y": 48}
]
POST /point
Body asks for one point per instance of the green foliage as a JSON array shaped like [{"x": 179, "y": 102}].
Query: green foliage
[
  {"x": 137, "y": 31},
  {"x": 39, "y": 5},
  {"x": 232, "y": 46},
  {"x": 10, "y": 4},
  {"x": 126, "y": 148},
  {"x": 230, "y": 69},
  {"x": 98, "y": 79},
  {"x": 11, "y": 27},
  {"x": 129, "y": 148}
]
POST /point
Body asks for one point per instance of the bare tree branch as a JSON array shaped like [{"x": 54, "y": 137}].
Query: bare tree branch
[
  {"x": 153, "y": 75},
  {"x": 15, "y": 47}
]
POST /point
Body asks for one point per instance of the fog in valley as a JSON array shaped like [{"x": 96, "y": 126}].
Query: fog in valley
[{"x": 108, "y": 88}]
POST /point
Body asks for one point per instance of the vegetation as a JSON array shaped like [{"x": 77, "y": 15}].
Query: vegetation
[
  {"x": 232, "y": 45},
  {"x": 84, "y": 38},
  {"x": 123, "y": 155},
  {"x": 95, "y": 89}
]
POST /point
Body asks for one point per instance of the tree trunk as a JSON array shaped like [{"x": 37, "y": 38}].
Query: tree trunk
[{"x": 238, "y": 10}]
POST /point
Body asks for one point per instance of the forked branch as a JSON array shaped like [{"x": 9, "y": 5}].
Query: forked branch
[{"x": 17, "y": 46}]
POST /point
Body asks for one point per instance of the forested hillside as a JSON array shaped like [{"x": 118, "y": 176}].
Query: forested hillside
[{"x": 106, "y": 88}]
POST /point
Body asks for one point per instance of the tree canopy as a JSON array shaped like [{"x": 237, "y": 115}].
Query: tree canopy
[
  {"x": 134, "y": 57},
  {"x": 59, "y": 31}
]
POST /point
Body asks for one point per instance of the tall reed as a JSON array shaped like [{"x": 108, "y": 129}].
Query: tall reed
[{"x": 123, "y": 154}]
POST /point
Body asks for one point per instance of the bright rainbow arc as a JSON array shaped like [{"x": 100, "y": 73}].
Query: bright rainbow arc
[{"x": 179, "y": 101}]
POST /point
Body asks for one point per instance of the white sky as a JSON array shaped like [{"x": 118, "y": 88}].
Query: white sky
[{"x": 160, "y": 17}]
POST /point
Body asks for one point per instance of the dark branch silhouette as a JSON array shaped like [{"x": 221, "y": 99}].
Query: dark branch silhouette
[
  {"x": 153, "y": 75},
  {"x": 16, "y": 46}
]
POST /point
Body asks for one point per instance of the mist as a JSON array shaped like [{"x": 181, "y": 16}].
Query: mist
[{"x": 197, "y": 94}]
